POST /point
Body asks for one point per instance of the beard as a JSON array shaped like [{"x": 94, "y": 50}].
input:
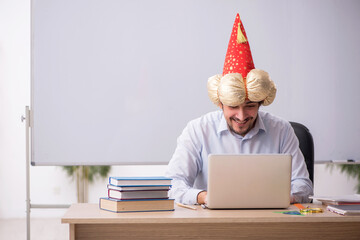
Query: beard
[{"x": 249, "y": 123}]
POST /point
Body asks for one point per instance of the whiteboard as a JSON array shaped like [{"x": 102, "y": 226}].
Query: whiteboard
[{"x": 115, "y": 82}]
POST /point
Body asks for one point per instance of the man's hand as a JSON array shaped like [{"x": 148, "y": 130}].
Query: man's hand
[
  {"x": 292, "y": 199},
  {"x": 201, "y": 197}
]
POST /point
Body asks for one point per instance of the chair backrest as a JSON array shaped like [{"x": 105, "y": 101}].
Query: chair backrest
[{"x": 306, "y": 146}]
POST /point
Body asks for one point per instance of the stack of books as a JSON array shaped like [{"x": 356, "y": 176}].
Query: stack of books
[
  {"x": 353, "y": 199},
  {"x": 137, "y": 194},
  {"x": 344, "y": 204},
  {"x": 347, "y": 210}
]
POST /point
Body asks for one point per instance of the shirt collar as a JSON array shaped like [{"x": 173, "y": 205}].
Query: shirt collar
[
  {"x": 259, "y": 125},
  {"x": 223, "y": 125}
]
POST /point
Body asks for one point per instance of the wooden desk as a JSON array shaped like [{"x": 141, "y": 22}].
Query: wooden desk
[{"x": 87, "y": 221}]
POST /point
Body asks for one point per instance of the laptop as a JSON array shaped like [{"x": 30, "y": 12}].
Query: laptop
[{"x": 249, "y": 181}]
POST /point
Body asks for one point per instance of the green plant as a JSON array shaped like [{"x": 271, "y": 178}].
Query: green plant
[
  {"x": 352, "y": 170},
  {"x": 83, "y": 175},
  {"x": 89, "y": 171}
]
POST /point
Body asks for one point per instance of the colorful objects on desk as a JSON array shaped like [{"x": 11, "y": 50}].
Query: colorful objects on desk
[
  {"x": 299, "y": 206},
  {"x": 289, "y": 212},
  {"x": 302, "y": 210},
  {"x": 307, "y": 210},
  {"x": 311, "y": 210}
]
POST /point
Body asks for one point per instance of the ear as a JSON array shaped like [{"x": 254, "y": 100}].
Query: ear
[{"x": 221, "y": 106}]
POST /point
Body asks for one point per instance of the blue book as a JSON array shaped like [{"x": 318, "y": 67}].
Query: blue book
[
  {"x": 138, "y": 205},
  {"x": 140, "y": 181}
]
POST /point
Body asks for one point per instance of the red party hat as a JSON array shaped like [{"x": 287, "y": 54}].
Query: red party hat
[{"x": 238, "y": 56}]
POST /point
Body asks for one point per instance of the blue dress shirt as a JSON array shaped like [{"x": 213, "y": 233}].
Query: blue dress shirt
[{"x": 210, "y": 134}]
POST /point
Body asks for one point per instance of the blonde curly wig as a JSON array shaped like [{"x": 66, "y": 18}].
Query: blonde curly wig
[{"x": 233, "y": 90}]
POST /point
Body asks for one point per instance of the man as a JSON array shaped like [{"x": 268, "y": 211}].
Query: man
[{"x": 238, "y": 128}]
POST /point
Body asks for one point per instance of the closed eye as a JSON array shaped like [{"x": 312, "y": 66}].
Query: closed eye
[{"x": 251, "y": 106}]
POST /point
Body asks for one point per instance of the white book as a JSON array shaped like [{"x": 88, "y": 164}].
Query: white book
[
  {"x": 131, "y": 188},
  {"x": 339, "y": 198},
  {"x": 345, "y": 209}
]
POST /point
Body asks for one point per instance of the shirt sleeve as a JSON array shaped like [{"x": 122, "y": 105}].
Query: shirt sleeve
[
  {"x": 301, "y": 185},
  {"x": 184, "y": 167}
]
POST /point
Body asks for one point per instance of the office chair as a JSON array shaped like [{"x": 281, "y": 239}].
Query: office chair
[{"x": 306, "y": 146}]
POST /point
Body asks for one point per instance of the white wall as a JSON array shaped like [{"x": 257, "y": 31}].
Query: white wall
[
  {"x": 50, "y": 184},
  {"x": 80, "y": 64},
  {"x": 14, "y": 95}
]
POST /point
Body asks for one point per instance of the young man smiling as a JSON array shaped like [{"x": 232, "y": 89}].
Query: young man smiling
[
  {"x": 241, "y": 119},
  {"x": 238, "y": 128}
]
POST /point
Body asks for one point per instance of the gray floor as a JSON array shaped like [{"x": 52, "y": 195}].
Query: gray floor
[{"x": 40, "y": 229}]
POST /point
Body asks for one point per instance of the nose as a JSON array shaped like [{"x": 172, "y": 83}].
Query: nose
[{"x": 241, "y": 114}]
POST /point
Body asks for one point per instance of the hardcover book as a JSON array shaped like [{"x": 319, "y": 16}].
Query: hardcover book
[
  {"x": 130, "y": 188},
  {"x": 142, "y": 205},
  {"x": 134, "y": 194},
  {"x": 140, "y": 181},
  {"x": 326, "y": 203},
  {"x": 345, "y": 209},
  {"x": 338, "y": 200}
]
